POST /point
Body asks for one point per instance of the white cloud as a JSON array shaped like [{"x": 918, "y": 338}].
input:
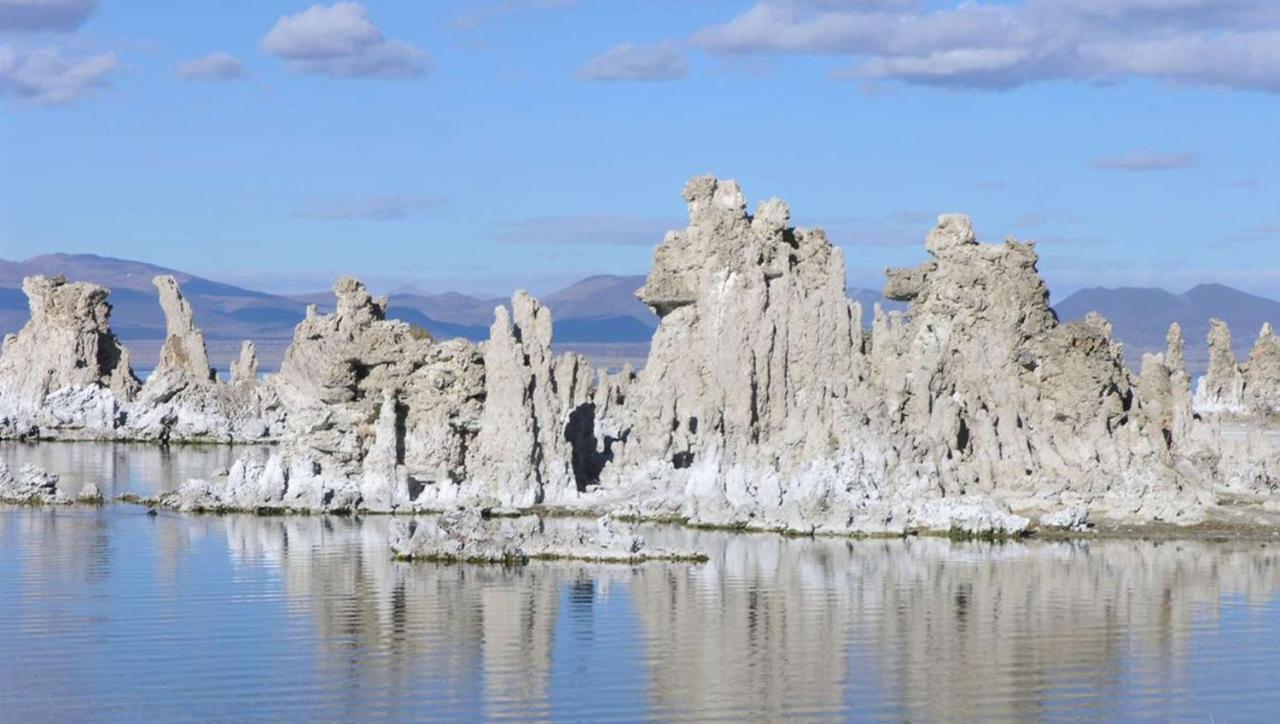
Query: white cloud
[
  {"x": 1145, "y": 161},
  {"x": 987, "y": 44},
  {"x": 663, "y": 61},
  {"x": 215, "y": 66},
  {"x": 44, "y": 77},
  {"x": 43, "y": 15},
  {"x": 373, "y": 208},
  {"x": 340, "y": 41}
]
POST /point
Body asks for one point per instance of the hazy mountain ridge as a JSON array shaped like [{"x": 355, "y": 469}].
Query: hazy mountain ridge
[
  {"x": 1140, "y": 317},
  {"x": 597, "y": 310}
]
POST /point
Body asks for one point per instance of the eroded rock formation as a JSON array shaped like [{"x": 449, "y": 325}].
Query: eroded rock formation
[
  {"x": 377, "y": 401},
  {"x": 244, "y": 370},
  {"x": 1222, "y": 387},
  {"x": 468, "y": 536},
  {"x": 764, "y": 403},
  {"x": 184, "y": 354},
  {"x": 183, "y": 399},
  {"x": 65, "y": 369},
  {"x": 524, "y": 452},
  {"x": 31, "y": 486},
  {"x": 1262, "y": 374}
]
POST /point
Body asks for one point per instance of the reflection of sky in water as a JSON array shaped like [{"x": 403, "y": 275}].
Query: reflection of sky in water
[{"x": 113, "y": 614}]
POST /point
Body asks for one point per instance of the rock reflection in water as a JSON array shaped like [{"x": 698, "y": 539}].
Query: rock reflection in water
[
  {"x": 118, "y": 613},
  {"x": 774, "y": 627},
  {"x": 116, "y": 468}
]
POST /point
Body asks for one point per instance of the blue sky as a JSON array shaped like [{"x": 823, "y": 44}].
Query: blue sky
[{"x": 491, "y": 144}]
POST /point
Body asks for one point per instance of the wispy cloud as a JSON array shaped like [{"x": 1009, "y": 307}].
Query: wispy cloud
[
  {"x": 1145, "y": 161},
  {"x": 631, "y": 62},
  {"x": 45, "y": 77},
  {"x": 589, "y": 229},
  {"x": 44, "y": 15},
  {"x": 1268, "y": 232},
  {"x": 340, "y": 41},
  {"x": 990, "y": 45},
  {"x": 212, "y": 67},
  {"x": 372, "y": 208}
]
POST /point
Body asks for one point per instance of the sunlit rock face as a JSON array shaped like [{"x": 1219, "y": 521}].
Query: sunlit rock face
[
  {"x": 183, "y": 399},
  {"x": 184, "y": 354},
  {"x": 377, "y": 401},
  {"x": 67, "y": 343},
  {"x": 65, "y": 368},
  {"x": 763, "y": 404},
  {"x": 989, "y": 393},
  {"x": 244, "y": 370},
  {"x": 745, "y": 407},
  {"x": 1222, "y": 387},
  {"x": 524, "y": 452}
]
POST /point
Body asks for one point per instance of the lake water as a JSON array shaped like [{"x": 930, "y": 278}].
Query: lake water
[{"x": 110, "y": 613}]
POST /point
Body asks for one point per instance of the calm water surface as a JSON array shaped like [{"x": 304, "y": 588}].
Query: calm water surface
[{"x": 110, "y": 614}]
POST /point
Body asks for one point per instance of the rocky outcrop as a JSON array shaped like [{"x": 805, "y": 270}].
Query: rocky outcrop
[
  {"x": 263, "y": 486},
  {"x": 1181, "y": 407},
  {"x": 184, "y": 354},
  {"x": 469, "y": 536},
  {"x": 1261, "y": 374},
  {"x": 991, "y": 395},
  {"x": 377, "y": 400},
  {"x": 764, "y": 403},
  {"x": 183, "y": 399},
  {"x": 31, "y": 486},
  {"x": 64, "y": 369},
  {"x": 244, "y": 369},
  {"x": 67, "y": 343},
  {"x": 65, "y": 375},
  {"x": 525, "y": 449},
  {"x": 1222, "y": 387},
  {"x": 743, "y": 407}
]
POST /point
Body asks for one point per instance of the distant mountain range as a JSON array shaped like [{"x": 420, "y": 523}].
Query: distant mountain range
[
  {"x": 598, "y": 315},
  {"x": 601, "y": 310},
  {"x": 1140, "y": 317}
]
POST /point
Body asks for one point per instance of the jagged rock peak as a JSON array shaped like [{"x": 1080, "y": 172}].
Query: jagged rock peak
[
  {"x": 953, "y": 231},
  {"x": 1175, "y": 355},
  {"x": 1262, "y": 373},
  {"x": 67, "y": 342},
  {"x": 756, "y": 346},
  {"x": 184, "y": 351},
  {"x": 356, "y": 306},
  {"x": 523, "y": 454},
  {"x": 1222, "y": 387},
  {"x": 245, "y": 368}
]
